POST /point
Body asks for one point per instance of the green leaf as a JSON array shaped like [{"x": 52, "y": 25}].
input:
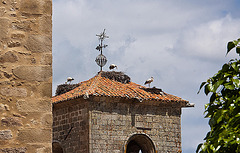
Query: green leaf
[
  {"x": 234, "y": 66},
  {"x": 206, "y": 89},
  {"x": 213, "y": 97},
  {"x": 212, "y": 122},
  {"x": 237, "y": 82},
  {"x": 230, "y": 46},
  {"x": 238, "y": 50},
  {"x": 199, "y": 147},
  {"x": 225, "y": 67},
  {"x": 203, "y": 83},
  {"x": 211, "y": 87},
  {"x": 229, "y": 86},
  {"x": 235, "y": 42},
  {"x": 237, "y": 100},
  {"x": 216, "y": 85},
  {"x": 218, "y": 116}
]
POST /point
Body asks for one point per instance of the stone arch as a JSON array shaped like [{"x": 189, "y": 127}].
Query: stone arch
[
  {"x": 139, "y": 142},
  {"x": 57, "y": 147}
]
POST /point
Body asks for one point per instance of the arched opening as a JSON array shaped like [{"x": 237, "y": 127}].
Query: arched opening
[
  {"x": 56, "y": 147},
  {"x": 140, "y": 143}
]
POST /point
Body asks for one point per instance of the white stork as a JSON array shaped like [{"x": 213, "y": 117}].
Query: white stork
[
  {"x": 148, "y": 81},
  {"x": 112, "y": 66},
  {"x": 69, "y": 79}
]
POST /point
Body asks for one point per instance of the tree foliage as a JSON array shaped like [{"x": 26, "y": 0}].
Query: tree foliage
[{"x": 223, "y": 109}]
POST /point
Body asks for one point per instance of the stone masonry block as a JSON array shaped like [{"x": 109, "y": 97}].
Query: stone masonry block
[
  {"x": 9, "y": 56},
  {"x": 22, "y": 25},
  {"x": 35, "y": 135},
  {"x": 11, "y": 121},
  {"x": 4, "y": 24},
  {"x": 2, "y": 11},
  {"x": 45, "y": 24},
  {"x": 46, "y": 59},
  {"x": 5, "y": 134},
  {"x": 33, "y": 73},
  {"x": 45, "y": 89},
  {"x": 47, "y": 7},
  {"x": 13, "y": 91},
  {"x": 7, "y": 75},
  {"x": 39, "y": 43},
  {"x": 13, "y": 150},
  {"x": 12, "y": 44},
  {"x": 39, "y": 148},
  {"x": 32, "y": 6},
  {"x": 36, "y": 7},
  {"x": 4, "y": 107},
  {"x": 44, "y": 150},
  {"x": 46, "y": 120},
  {"x": 18, "y": 36},
  {"x": 34, "y": 105}
]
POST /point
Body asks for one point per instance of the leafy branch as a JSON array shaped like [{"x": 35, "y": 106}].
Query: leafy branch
[{"x": 223, "y": 109}]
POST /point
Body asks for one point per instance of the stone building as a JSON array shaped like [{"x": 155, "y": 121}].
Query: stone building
[
  {"x": 25, "y": 76},
  {"x": 110, "y": 114}
]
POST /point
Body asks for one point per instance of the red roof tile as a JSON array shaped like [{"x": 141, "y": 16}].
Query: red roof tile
[{"x": 102, "y": 86}]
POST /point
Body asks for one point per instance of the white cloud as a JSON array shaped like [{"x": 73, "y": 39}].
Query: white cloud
[{"x": 208, "y": 40}]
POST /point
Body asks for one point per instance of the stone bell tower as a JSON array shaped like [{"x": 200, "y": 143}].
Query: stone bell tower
[
  {"x": 110, "y": 114},
  {"x": 25, "y": 76}
]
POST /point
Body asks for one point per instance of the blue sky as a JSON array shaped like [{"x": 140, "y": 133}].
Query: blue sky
[{"x": 179, "y": 42}]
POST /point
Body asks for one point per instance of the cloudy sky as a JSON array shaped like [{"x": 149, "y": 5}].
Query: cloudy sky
[{"x": 179, "y": 42}]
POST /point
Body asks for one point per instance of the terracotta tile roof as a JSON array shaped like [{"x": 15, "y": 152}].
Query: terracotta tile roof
[{"x": 102, "y": 86}]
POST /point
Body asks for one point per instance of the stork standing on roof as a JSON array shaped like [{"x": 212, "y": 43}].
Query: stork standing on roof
[
  {"x": 69, "y": 79},
  {"x": 112, "y": 66},
  {"x": 149, "y": 81}
]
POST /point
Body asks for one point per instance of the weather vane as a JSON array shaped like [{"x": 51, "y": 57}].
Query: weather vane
[{"x": 101, "y": 60}]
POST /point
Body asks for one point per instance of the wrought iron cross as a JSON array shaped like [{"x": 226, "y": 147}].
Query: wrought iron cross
[{"x": 101, "y": 60}]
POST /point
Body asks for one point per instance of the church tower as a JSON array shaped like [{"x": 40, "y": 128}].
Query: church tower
[{"x": 110, "y": 114}]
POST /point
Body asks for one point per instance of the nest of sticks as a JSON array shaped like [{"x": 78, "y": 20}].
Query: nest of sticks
[
  {"x": 63, "y": 88},
  {"x": 112, "y": 75},
  {"x": 154, "y": 90},
  {"x": 116, "y": 76}
]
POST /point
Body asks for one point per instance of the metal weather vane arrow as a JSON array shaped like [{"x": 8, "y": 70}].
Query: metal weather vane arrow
[
  {"x": 102, "y": 36},
  {"x": 101, "y": 60}
]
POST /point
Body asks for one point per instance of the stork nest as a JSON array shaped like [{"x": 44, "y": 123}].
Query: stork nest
[
  {"x": 154, "y": 90},
  {"x": 116, "y": 76},
  {"x": 63, "y": 88}
]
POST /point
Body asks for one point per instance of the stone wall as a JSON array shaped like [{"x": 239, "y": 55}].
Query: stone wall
[
  {"x": 114, "y": 121},
  {"x": 25, "y": 76},
  {"x": 70, "y": 126},
  {"x": 105, "y": 125}
]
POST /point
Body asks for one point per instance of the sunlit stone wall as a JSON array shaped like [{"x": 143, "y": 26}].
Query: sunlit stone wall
[{"x": 25, "y": 76}]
